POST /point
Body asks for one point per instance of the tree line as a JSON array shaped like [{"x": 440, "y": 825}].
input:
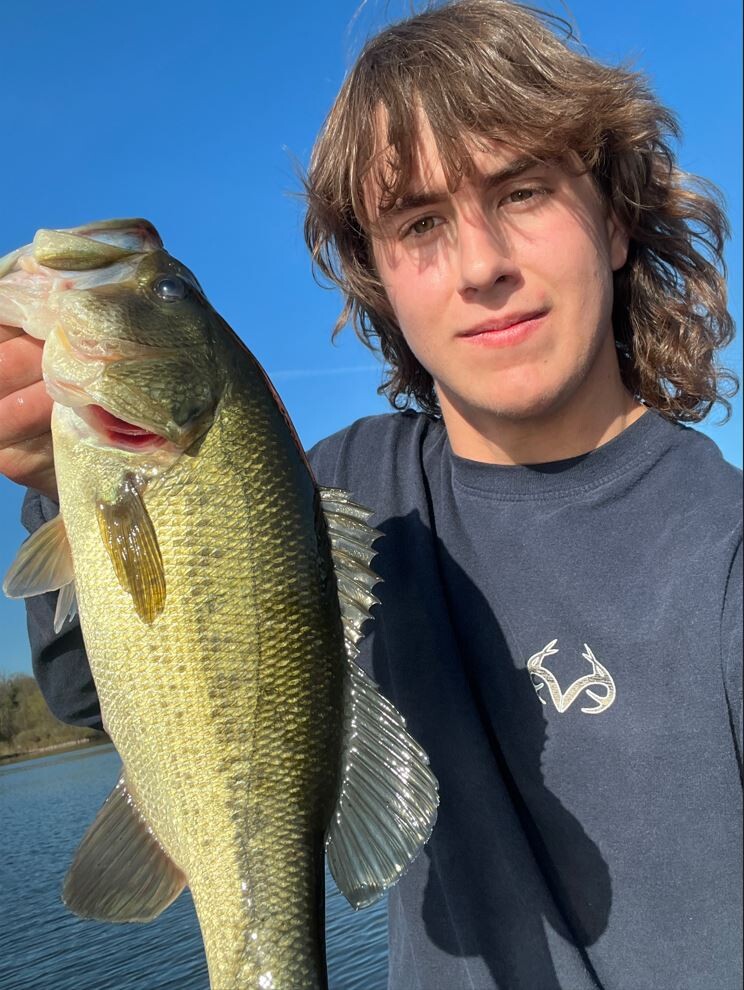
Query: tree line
[{"x": 26, "y": 724}]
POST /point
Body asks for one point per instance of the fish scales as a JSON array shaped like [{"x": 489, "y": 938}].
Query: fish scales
[{"x": 269, "y": 612}]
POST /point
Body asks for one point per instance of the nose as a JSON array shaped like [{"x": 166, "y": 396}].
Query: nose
[{"x": 484, "y": 255}]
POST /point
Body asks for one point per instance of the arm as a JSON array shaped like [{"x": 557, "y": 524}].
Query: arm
[{"x": 59, "y": 660}]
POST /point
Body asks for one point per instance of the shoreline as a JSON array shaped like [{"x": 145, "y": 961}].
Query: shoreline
[{"x": 31, "y": 754}]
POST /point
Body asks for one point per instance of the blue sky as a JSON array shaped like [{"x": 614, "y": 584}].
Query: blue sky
[{"x": 196, "y": 117}]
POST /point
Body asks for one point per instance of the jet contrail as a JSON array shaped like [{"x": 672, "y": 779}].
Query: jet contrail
[{"x": 314, "y": 372}]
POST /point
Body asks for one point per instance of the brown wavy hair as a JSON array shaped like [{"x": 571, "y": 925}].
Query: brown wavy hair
[{"x": 486, "y": 70}]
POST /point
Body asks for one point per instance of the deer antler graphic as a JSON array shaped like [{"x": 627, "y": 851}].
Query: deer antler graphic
[
  {"x": 600, "y": 677},
  {"x": 540, "y": 676}
]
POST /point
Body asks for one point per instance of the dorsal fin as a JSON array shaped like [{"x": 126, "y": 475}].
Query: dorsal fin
[
  {"x": 388, "y": 800},
  {"x": 351, "y": 548}
]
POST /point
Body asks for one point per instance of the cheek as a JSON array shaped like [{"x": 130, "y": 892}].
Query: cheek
[
  {"x": 417, "y": 290},
  {"x": 578, "y": 275}
]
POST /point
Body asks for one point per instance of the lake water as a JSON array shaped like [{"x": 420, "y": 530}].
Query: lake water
[{"x": 46, "y": 805}]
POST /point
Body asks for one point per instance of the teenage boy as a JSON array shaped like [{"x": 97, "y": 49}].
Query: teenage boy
[{"x": 561, "y": 608}]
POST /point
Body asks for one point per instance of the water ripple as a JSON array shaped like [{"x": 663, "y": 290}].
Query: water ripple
[{"x": 47, "y": 805}]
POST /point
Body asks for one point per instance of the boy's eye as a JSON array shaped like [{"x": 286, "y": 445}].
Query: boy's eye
[
  {"x": 422, "y": 226},
  {"x": 523, "y": 195},
  {"x": 519, "y": 195}
]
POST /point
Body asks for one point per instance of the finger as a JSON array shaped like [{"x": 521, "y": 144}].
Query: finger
[
  {"x": 25, "y": 414},
  {"x": 31, "y": 463},
  {"x": 7, "y": 332},
  {"x": 20, "y": 363}
]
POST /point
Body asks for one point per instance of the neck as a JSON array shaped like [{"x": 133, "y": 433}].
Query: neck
[{"x": 596, "y": 413}]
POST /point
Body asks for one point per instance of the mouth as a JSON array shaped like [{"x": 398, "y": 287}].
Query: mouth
[
  {"x": 118, "y": 432},
  {"x": 507, "y": 330}
]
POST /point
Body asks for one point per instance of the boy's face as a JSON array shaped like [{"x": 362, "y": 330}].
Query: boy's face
[{"x": 502, "y": 289}]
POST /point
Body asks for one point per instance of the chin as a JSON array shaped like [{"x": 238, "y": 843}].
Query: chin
[
  {"x": 514, "y": 407},
  {"x": 532, "y": 395}
]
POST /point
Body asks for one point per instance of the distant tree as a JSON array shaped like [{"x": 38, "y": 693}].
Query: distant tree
[
  {"x": 6, "y": 709},
  {"x": 26, "y": 723}
]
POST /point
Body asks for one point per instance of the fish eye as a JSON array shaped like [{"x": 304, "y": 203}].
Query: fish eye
[{"x": 171, "y": 288}]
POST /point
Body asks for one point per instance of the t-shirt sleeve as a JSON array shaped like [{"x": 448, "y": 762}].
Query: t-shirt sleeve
[
  {"x": 59, "y": 660},
  {"x": 732, "y": 647},
  {"x": 323, "y": 459}
]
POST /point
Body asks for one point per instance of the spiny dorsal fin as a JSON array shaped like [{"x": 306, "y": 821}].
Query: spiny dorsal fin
[
  {"x": 120, "y": 871},
  {"x": 387, "y": 806},
  {"x": 129, "y": 536},
  {"x": 351, "y": 548},
  {"x": 44, "y": 562}
]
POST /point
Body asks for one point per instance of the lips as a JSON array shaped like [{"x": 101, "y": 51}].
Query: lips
[
  {"x": 504, "y": 323},
  {"x": 119, "y": 432},
  {"x": 506, "y": 332}
]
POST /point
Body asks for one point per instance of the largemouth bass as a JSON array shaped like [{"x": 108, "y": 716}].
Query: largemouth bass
[{"x": 221, "y": 595}]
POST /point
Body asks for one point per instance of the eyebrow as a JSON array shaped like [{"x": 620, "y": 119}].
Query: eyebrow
[{"x": 428, "y": 197}]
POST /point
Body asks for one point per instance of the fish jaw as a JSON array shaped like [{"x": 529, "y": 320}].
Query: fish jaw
[
  {"x": 148, "y": 363},
  {"x": 51, "y": 247},
  {"x": 32, "y": 277},
  {"x": 25, "y": 298},
  {"x": 135, "y": 450},
  {"x": 80, "y": 383},
  {"x": 75, "y": 364},
  {"x": 139, "y": 429},
  {"x": 110, "y": 342}
]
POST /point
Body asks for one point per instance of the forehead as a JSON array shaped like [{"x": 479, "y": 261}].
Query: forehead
[{"x": 423, "y": 164}]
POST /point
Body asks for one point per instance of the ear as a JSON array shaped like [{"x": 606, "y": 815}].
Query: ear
[{"x": 618, "y": 241}]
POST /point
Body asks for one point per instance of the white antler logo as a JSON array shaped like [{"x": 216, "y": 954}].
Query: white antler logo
[{"x": 599, "y": 677}]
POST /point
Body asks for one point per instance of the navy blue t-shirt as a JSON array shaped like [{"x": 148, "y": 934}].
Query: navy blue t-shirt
[
  {"x": 564, "y": 640},
  {"x": 584, "y": 839}
]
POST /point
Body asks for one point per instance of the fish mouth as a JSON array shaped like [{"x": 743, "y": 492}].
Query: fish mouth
[
  {"x": 124, "y": 434},
  {"x": 118, "y": 432}
]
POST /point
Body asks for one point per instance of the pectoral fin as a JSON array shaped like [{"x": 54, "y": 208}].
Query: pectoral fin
[
  {"x": 388, "y": 801},
  {"x": 120, "y": 871},
  {"x": 129, "y": 536}
]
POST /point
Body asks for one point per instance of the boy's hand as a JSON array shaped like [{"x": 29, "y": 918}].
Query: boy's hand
[{"x": 25, "y": 413}]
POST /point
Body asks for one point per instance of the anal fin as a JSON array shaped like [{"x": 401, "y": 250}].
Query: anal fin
[{"x": 120, "y": 871}]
